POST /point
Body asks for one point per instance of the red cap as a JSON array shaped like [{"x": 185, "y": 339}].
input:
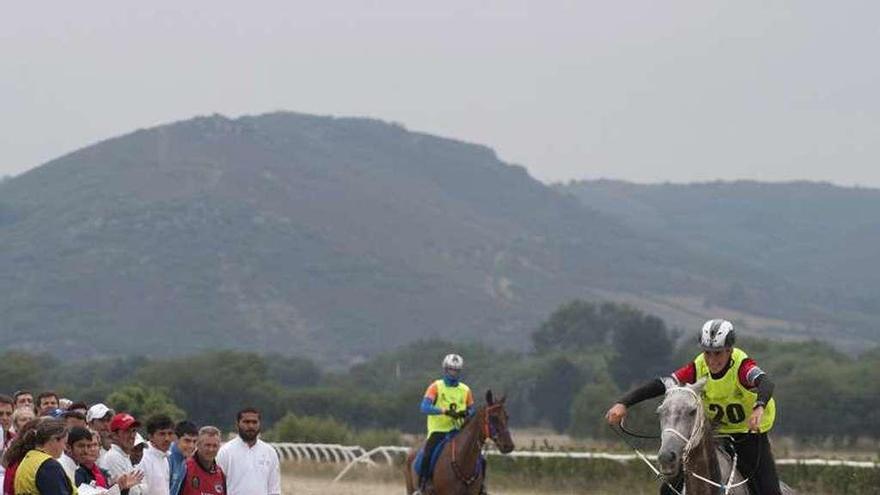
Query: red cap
[{"x": 123, "y": 421}]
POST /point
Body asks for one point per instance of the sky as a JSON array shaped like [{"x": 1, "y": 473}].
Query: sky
[{"x": 678, "y": 91}]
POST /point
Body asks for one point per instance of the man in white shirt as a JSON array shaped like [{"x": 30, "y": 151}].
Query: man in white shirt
[
  {"x": 98, "y": 418},
  {"x": 154, "y": 464},
  {"x": 116, "y": 461},
  {"x": 251, "y": 465}
]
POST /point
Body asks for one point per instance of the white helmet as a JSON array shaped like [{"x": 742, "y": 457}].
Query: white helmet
[
  {"x": 453, "y": 362},
  {"x": 716, "y": 335}
]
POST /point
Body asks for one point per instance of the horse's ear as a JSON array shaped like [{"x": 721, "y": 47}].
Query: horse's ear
[
  {"x": 698, "y": 387},
  {"x": 489, "y": 398}
]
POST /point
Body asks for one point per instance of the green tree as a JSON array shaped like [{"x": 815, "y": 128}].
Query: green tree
[
  {"x": 588, "y": 409},
  {"x": 22, "y": 371},
  {"x": 575, "y": 325},
  {"x": 313, "y": 429},
  {"x": 213, "y": 386},
  {"x": 556, "y": 383},
  {"x": 143, "y": 401},
  {"x": 642, "y": 346}
]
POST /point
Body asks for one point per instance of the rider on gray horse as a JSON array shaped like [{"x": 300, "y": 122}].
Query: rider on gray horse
[{"x": 737, "y": 398}]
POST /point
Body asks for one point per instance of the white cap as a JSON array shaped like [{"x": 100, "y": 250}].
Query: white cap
[
  {"x": 98, "y": 411},
  {"x": 138, "y": 439}
]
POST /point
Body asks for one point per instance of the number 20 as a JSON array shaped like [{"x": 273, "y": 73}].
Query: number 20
[{"x": 735, "y": 413}]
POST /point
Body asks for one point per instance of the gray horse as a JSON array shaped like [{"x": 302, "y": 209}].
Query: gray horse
[{"x": 688, "y": 446}]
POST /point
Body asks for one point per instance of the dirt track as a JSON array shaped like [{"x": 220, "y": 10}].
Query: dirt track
[{"x": 310, "y": 486}]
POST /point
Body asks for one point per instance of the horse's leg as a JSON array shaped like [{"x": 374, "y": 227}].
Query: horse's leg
[{"x": 408, "y": 471}]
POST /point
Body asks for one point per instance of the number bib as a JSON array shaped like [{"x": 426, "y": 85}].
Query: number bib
[{"x": 728, "y": 403}]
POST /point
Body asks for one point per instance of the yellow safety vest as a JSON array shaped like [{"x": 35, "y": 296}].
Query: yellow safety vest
[
  {"x": 446, "y": 397},
  {"x": 26, "y": 474},
  {"x": 728, "y": 403}
]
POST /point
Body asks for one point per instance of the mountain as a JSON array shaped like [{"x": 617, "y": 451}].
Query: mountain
[
  {"x": 333, "y": 238},
  {"x": 816, "y": 246},
  {"x": 284, "y": 232}
]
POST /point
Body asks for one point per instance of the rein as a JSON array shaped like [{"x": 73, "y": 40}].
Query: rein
[
  {"x": 485, "y": 432},
  {"x": 695, "y": 437}
]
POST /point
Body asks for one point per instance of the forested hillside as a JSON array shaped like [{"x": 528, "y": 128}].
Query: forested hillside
[
  {"x": 334, "y": 237},
  {"x": 812, "y": 249}
]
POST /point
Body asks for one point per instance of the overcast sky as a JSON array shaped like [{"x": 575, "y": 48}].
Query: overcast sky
[{"x": 647, "y": 91}]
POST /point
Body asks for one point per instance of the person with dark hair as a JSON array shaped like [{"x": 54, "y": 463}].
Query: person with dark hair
[
  {"x": 7, "y": 407},
  {"x": 251, "y": 465},
  {"x": 123, "y": 429},
  {"x": 83, "y": 446},
  {"x": 155, "y": 464},
  {"x": 39, "y": 472},
  {"x": 47, "y": 402},
  {"x": 182, "y": 449},
  {"x": 74, "y": 418},
  {"x": 79, "y": 407},
  {"x": 24, "y": 398},
  {"x": 203, "y": 475}
]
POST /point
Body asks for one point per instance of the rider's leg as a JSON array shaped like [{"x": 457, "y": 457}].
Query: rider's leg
[
  {"x": 755, "y": 460},
  {"x": 430, "y": 444}
]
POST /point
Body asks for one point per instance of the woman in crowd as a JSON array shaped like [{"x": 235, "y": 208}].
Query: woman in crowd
[
  {"x": 39, "y": 472},
  {"x": 14, "y": 454},
  {"x": 21, "y": 416},
  {"x": 84, "y": 447}
]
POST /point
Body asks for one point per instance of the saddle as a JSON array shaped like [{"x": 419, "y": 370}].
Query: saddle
[{"x": 435, "y": 456}]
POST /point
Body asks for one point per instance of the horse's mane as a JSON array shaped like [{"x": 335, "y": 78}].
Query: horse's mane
[{"x": 478, "y": 412}]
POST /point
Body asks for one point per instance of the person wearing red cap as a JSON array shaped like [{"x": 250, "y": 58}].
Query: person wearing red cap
[{"x": 123, "y": 428}]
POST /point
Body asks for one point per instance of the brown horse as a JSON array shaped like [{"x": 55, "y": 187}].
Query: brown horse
[{"x": 457, "y": 471}]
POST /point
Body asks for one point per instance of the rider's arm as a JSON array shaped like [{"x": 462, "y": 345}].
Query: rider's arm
[
  {"x": 753, "y": 377},
  {"x": 471, "y": 408},
  {"x": 427, "y": 406},
  {"x": 648, "y": 390},
  {"x": 657, "y": 386},
  {"x": 765, "y": 389}
]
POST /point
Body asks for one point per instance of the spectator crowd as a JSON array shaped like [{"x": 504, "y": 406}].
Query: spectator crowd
[{"x": 55, "y": 446}]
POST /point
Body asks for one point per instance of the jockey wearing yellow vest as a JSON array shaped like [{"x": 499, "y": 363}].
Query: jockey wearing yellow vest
[
  {"x": 447, "y": 402},
  {"x": 738, "y": 397}
]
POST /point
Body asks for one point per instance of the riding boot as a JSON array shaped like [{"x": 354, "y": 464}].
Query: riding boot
[{"x": 423, "y": 487}]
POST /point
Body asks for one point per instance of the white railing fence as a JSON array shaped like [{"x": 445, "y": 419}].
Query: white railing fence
[{"x": 352, "y": 455}]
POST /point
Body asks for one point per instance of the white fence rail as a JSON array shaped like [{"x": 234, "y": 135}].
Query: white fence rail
[{"x": 353, "y": 455}]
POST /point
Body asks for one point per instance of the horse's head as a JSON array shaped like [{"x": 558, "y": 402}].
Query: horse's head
[
  {"x": 681, "y": 422},
  {"x": 495, "y": 423}
]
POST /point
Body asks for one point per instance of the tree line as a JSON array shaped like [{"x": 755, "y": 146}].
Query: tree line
[{"x": 581, "y": 359}]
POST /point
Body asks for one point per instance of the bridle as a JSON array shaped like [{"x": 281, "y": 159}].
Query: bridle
[
  {"x": 487, "y": 430},
  {"x": 694, "y": 439},
  {"x": 696, "y": 435}
]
